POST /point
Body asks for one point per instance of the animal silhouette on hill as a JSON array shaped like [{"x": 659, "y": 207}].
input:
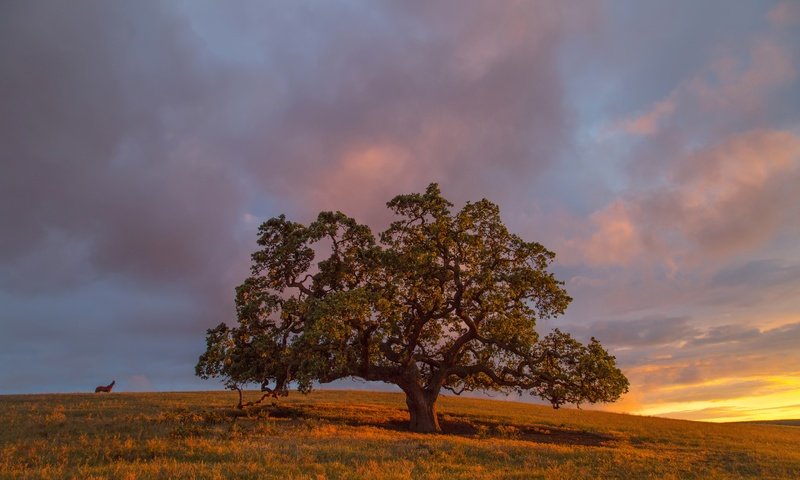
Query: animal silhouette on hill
[{"x": 106, "y": 389}]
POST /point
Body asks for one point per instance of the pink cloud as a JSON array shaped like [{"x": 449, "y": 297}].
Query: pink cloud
[
  {"x": 730, "y": 87},
  {"x": 785, "y": 14},
  {"x": 717, "y": 190},
  {"x": 477, "y": 108},
  {"x": 718, "y": 201},
  {"x": 736, "y": 194},
  {"x": 733, "y": 84},
  {"x": 649, "y": 122},
  {"x": 365, "y": 173},
  {"x": 616, "y": 239}
]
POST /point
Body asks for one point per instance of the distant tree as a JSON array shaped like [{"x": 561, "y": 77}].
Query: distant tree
[{"x": 440, "y": 300}]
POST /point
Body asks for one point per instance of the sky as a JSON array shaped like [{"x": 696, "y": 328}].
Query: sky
[{"x": 654, "y": 146}]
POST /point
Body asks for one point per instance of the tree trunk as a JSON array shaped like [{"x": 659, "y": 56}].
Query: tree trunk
[
  {"x": 422, "y": 408},
  {"x": 240, "y": 405}
]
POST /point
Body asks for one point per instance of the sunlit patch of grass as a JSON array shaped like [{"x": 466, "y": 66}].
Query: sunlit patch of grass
[
  {"x": 56, "y": 416},
  {"x": 332, "y": 434}
]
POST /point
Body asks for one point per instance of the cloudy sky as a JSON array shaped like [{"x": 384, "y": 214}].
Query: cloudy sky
[{"x": 655, "y": 146}]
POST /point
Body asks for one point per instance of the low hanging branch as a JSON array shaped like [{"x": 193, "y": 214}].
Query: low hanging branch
[
  {"x": 440, "y": 300},
  {"x": 241, "y": 405}
]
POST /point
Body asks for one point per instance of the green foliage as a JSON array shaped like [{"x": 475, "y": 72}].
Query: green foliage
[
  {"x": 576, "y": 373},
  {"x": 440, "y": 300}
]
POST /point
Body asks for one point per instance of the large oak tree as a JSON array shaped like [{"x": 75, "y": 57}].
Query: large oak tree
[{"x": 440, "y": 300}]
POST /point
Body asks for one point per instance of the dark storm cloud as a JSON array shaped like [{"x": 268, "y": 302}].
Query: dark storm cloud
[
  {"x": 117, "y": 210},
  {"x": 766, "y": 272},
  {"x": 755, "y": 282},
  {"x": 129, "y": 128},
  {"x": 106, "y": 170},
  {"x": 140, "y": 143},
  {"x": 639, "y": 332},
  {"x": 367, "y": 100},
  {"x": 683, "y": 32}
]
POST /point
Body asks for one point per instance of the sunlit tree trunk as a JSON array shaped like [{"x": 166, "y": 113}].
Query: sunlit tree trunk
[{"x": 422, "y": 409}]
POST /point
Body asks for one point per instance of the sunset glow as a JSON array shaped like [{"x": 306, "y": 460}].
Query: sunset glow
[
  {"x": 778, "y": 398},
  {"x": 653, "y": 146}
]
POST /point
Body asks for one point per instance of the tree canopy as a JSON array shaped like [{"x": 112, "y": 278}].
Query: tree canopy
[{"x": 439, "y": 300}]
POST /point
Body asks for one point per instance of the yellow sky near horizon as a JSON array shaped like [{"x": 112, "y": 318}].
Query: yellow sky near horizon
[{"x": 781, "y": 404}]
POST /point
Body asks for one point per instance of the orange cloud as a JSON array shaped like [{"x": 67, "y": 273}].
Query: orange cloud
[
  {"x": 630, "y": 402},
  {"x": 722, "y": 373},
  {"x": 775, "y": 398},
  {"x": 615, "y": 240},
  {"x": 362, "y": 174}
]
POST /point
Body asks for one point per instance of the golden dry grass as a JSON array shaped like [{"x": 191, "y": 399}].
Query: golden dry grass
[{"x": 331, "y": 434}]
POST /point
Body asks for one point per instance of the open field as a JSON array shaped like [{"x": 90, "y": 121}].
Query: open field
[
  {"x": 788, "y": 423},
  {"x": 332, "y": 434}
]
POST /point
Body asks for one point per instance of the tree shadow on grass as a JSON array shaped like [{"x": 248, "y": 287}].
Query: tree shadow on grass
[{"x": 460, "y": 426}]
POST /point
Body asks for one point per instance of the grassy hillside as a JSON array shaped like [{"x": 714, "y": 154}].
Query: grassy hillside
[
  {"x": 785, "y": 423},
  {"x": 361, "y": 435}
]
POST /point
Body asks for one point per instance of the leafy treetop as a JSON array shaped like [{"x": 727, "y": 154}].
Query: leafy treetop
[{"x": 440, "y": 300}]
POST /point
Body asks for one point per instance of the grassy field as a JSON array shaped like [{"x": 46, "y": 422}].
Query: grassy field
[{"x": 333, "y": 434}]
